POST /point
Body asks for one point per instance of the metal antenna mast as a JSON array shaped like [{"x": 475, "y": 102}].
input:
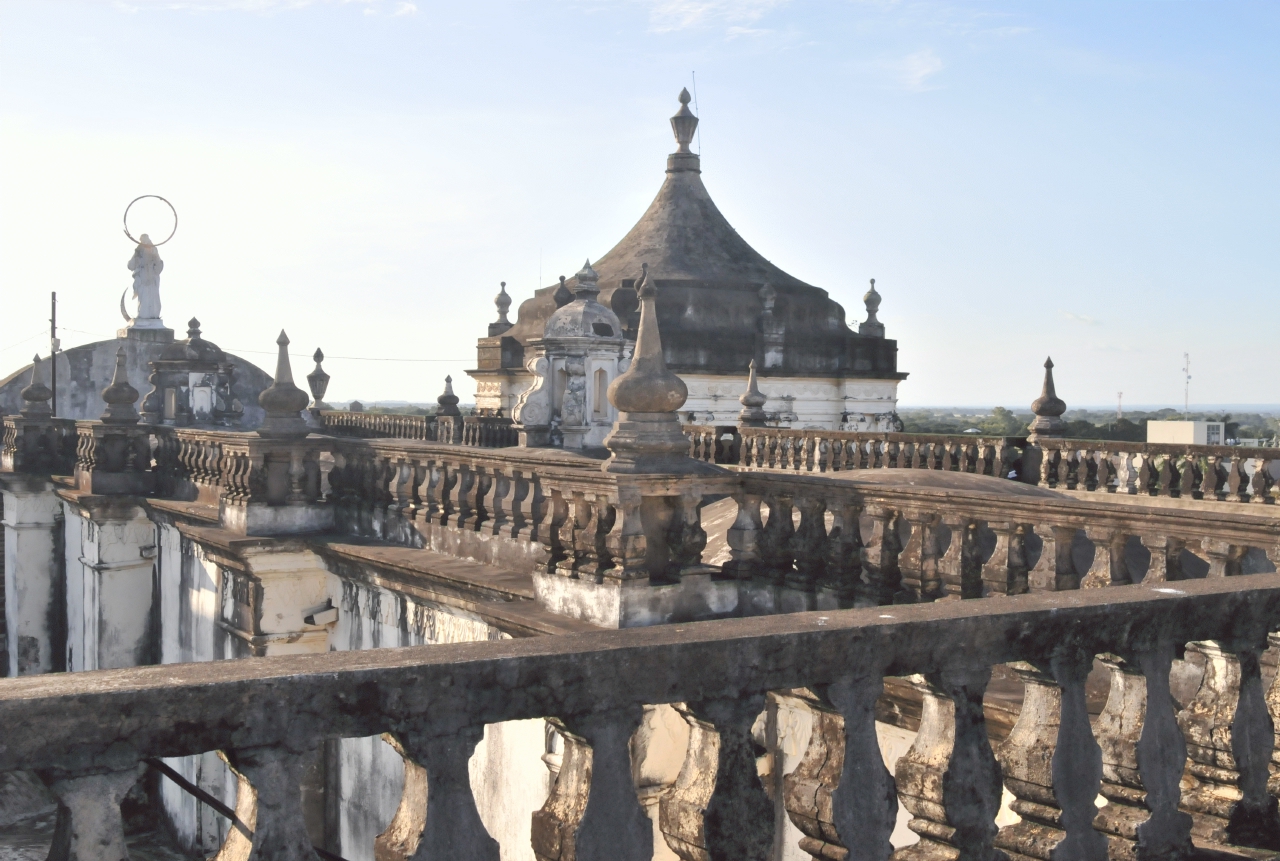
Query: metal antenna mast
[{"x": 53, "y": 349}]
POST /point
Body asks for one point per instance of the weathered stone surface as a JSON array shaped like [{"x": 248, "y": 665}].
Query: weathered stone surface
[{"x": 89, "y": 826}]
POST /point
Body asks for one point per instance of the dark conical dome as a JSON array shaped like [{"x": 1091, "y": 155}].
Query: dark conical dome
[{"x": 719, "y": 299}]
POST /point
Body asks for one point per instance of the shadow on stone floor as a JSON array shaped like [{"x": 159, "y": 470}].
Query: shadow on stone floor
[{"x": 28, "y": 840}]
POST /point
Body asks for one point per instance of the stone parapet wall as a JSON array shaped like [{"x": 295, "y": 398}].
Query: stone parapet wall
[{"x": 88, "y": 731}]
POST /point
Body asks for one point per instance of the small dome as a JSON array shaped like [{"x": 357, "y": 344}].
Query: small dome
[
  {"x": 584, "y": 317},
  {"x": 194, "y": 349}
]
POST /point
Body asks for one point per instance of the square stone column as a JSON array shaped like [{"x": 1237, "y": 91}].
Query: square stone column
[{"x": 32, "y": 586}]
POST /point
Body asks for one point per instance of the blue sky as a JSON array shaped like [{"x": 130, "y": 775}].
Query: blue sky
[{"x": 1095, "y": 181}]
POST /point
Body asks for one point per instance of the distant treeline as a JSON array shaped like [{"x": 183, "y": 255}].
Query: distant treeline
[{"x": 1081, "y": 424}]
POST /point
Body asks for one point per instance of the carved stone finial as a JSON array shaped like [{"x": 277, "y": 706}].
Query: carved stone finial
[
  {"x": 873, "y": 328},
  {"x": 588, "y": 286},
  {"x": 448, "y": 401},
  {"x": 503, "y": 303},
  {"x": 119, "y": 395},
  {"x": 753, "y": 401},
  {"x": 647, "y": 436},
  {"x": 1048, "y": 409},
  {"x": 36, "y": 395},
  {"x": 283, "y": 400},
  {"x": 684, "y": 123},
  {"x": 563, "y": 294},
  {"x": 318, "y": 382},
  {"x": 193, "y": 328}
]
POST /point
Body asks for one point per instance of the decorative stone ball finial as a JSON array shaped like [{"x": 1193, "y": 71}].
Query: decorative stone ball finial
[
  {"x": 873, "y": 328},
  {"x": 503, "y": 302},
  {"x": 1048, "y": 408},
  {"x": 120, "y": 396},
  {"x": 36, "y": 395},
  {"x": 448, "y": 401},
  {"x": 193, "y": 328},
  {"x": 318, "y": 382},
  {"x": 563, "y": 294},
  {"x": 282, "y": 400},
  {"x": 684, "y": 123}
]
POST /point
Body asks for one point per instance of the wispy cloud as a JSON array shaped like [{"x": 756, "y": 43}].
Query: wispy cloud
[
  {"x": 1079, "y": 318},
  {"x": 915, "y": 70},
  {"x": 737, "y": 16}
]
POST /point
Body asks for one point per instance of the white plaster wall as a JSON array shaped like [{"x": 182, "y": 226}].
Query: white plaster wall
[
  {"x": 816, "y": 402},
  {"x": 189, "y": 607},
  {"x": 82, "y": 599},
  {"x": 29, "y": 574},
  {"x": 508, "y": 776}
]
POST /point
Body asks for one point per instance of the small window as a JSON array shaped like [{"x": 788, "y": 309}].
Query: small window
[
  {"x": 604, "y": 330},
  {"x": 601, "y": 408}
]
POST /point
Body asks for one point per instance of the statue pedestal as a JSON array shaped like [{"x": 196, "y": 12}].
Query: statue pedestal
[{"x": 142, "y": 330}]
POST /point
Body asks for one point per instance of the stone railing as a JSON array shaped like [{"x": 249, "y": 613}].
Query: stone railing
[
  {"x": 1168, "y": 775},
  {"x": 522, "y": 509},
  {"x": 378, "y": 425},
  {"x": 38, "y": 445},
  {"x": 489, "y": 432},
  {"x": 868, "y": 544},
  {"x": 1212, "y": 473}
]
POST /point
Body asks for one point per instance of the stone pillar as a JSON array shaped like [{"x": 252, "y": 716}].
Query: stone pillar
[
  {"x": 35, "y": 619},
  {"x": 89, "y": 826},
  {"x": 111, "y": 548},
  {"x": 272, "y": 601}
]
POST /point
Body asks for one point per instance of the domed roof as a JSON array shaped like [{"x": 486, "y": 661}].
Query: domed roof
[
  {"x": 584, "y": 317},
  {"x": 717, "y": 297}
]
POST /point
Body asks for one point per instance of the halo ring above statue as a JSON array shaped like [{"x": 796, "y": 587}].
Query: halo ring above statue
[{"x": 166, "y": 203}]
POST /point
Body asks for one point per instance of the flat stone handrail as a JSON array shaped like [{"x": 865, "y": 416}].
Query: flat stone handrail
[{"x": 81, "y": 722}]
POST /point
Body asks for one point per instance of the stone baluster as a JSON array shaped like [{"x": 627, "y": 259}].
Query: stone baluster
[
  {"x": 809, "y": 545},
  {"x": 949, "y": 779},
  {"x": 626, "y": 542},
  {"x": 1108, "y": 566},
  {"x": 822, "y": 455},
  {"x": 961, "y": 565},
  {"x": 593, "y": 812},
  {"x": 1189, "y": 479},
  {"x": 881, "y": 578},
  {"x": 497, "y": 502},
  {"x": 1214, "y": 478},
  {"x": 269, "y": 803},
  {"x": 400, "y": 510},
  {"x": 1054, "y": 570},
  {"x": 1230, "y": 737},
  {"x": 1168, "y": 480},
  {"x": 479, "y": 492},
  {"x": 1086, "y": 477},
  {"x": 727, "y": 817},
  {"x": 1052, "y": 764},
  {"x": 429, "y": 491},
  {"x": 686, "y": 539},
  {"x": 774, "y": 543},
  {"x": 1166, "y": 558},
  {"x": 840, "y": 795},
  {"x": 918, "y": 559},
  {"x": 1237, "y": 480},
  {"x": 462, "y": 497},
  {"x": 1005, "y": 573},
  {"x": 1143, "y": 755},
  {"x": 89, "y": 826},
  {"x": 555, "y": 513},
  {"x": 1066, "y": 474},
  {"x": 843, "y": 569},
  {"x": 519, "y": 506},
  {"x": 445, "y": 823},
  {"x": 743, "y": 538},
  {"x": 1147, "y": 474},
  {"x": 1126, "y": 473},
  {"x": 1261, "y": 483},
  {"x": 1224, "y": 557}
]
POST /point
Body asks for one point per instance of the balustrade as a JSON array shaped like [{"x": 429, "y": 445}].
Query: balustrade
[
  {"x": 39, "y": 445},
  {"x": 87, "y": 732}
]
